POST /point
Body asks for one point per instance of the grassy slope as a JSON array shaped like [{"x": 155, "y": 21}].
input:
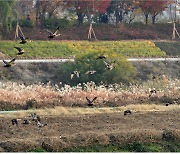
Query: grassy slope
[
  {"x": 47, "y": 49},
  {"x": 131, "y": 147},
  {"x": 171, "y": 48}
]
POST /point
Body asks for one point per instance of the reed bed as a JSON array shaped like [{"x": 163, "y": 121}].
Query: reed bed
[{"x": 16, "y": 93}]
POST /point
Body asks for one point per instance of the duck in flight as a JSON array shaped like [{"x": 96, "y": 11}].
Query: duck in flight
[
  {"x": 101, "y": 57},
  {"x": 90, "y": 103},
  {"x": 9, "y": 64},
  {"x": 23, "y": 39},
  {"x": 53, "y": 35},
  {"x": 109, "y": 66},
  {"x": 20, "y": 50},
  {"x": 90, "y": 72},
  {"x": 75, "y": 73}
]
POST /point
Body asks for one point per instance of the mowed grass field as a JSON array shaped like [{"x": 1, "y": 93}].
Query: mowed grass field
[{"x": 66, "y": 49}]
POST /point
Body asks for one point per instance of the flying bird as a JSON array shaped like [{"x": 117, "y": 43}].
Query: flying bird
[
  {"x": 109, "y": 66},
  {"x": 23, "y": 39},
  {"x": 9, "y": 64},
  {"x": 153, "y": 77},
  {"x": 90, "y": 72},
  {"x": 53, "y": 35},
  {"x": 101, "y": 57},
  {"x": 153, "y": 91},
  {"x": 90, "y": 103},
  {"x": 20, "y": 50},
  {"x": 75, "y": 73}
]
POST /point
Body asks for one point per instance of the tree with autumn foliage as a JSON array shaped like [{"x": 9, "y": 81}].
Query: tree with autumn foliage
[
  {"x": 158, "y": 7},
  {"x": 152, "y": 7},
  {"x": 87, "y": 7}
]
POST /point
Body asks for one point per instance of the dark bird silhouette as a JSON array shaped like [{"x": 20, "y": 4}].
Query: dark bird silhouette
[
  {"x": 153, "y": 91},
  {"x": 154, "y": 77},
  {"x": 127, "y": 112},
  {"x": 169, "y": 103},
  {"x": 75, "y": 73},
  {"x": 109, "y": 66},
  {"x": 90, "y": 103},
  {"x": 90, "y": 72},
  {"x": 9, "y": 64},
  {"x": 23, "y": 39},
  {"x": 38, "y": 118},
  {"x": 53, "y": 35},
  {"x": 20, "y": 50},
  {"x": 25, "y": 122},
  {"x": 101, "y": 57},
  {"x": 14, "y": 122}
]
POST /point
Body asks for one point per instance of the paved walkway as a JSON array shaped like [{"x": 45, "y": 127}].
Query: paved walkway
[{"x": 65, "y": 60}]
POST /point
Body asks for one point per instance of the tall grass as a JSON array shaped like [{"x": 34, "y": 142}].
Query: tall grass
[{"x": 68, "y": 96}]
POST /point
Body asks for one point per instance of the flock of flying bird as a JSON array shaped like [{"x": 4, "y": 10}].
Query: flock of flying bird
[
  {"x": 109, "y": 66},
  {"x": 24, "y": 40},
  {"x": 76, "y": 73},
  {"x": 50, "y": 36}
]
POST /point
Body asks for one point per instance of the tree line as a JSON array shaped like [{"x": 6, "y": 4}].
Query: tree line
[{"x": 101, "y": 11}]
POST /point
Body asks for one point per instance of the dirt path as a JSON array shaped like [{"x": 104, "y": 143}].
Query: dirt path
[{"x": 65, "y": 131}]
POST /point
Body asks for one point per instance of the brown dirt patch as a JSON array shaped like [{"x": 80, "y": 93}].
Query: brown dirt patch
[
  {"x": 2, "y": 56},
  {"x": 68, "y": 131}
]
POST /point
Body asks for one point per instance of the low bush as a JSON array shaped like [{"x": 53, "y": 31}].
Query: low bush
[
  {"x": 23, "y": 23},
  {"x": 53, "y": 23},
  {"x": 123, "y": 71}
]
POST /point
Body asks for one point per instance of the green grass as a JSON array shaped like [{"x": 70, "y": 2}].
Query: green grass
[
  {"x": 37, "y": 150},
  {"x": 47, "y": 49},
  {"x": 130, "y": 147},
  {"x": 170, "y": 48},
  {"x": 133, "y": 147}
]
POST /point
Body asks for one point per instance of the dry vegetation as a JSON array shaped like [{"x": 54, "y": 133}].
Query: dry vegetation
[
  {"x": 41, "y": 95},
  {"x": 65, "y": 131},
  {"x": 73, "y": 124}
]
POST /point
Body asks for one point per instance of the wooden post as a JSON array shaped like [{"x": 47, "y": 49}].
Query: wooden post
[
  {"x": 18, "y": 29},
  {"x": 91, "y": 30},
  {"x": 174, "y": 31},
  {"x": 16, "y": 32}
]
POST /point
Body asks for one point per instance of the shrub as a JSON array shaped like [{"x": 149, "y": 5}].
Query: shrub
[
  {"x": 123, "y": 72},
  {"x": 23, "y": 23},
  {"x": 26, "y": 23},
  {"x": 138, "y": 25},
  {"x": 53, "y": 23}
]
